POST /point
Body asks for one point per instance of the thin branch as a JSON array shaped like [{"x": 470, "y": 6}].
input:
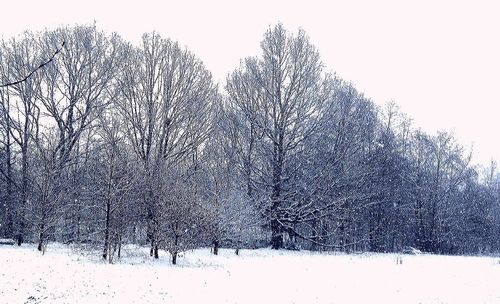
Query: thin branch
[{"x": 35, "y": 70}]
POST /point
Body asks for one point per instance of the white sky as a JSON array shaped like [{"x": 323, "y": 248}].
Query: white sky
[{"x": 439, "y": 60}]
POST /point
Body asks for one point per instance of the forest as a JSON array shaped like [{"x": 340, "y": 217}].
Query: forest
[{"x": 105, "y": 143}]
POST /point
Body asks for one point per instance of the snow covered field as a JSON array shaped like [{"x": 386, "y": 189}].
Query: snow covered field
[{"x": 256, "y": 276}]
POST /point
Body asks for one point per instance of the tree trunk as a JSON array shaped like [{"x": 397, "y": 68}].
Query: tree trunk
[
  {"x": 20, "y": 238},
  {"x": 433, "y": 237},
  {"x": 420, "y": 229},
  {"x": 106, "y": 232},
  {"x": 119, "y": 246},
  {"x": 174, "y": 258},
  {"x": 277, "y": 178},
  {"x": 9, "y": 207},
  {"x": 216, "y": 247},
  {"x": 174, "y": 252},
  {"x": 24, "y": 182},
  {"x": 276, "y": 235},
  {"x": 40, "y": 242},
  {"x": 377, "y": 226},
  {"x": 156, "y": 252},
  {"x": 314, "y": 232},
  {"x": 112, "y": 252}
]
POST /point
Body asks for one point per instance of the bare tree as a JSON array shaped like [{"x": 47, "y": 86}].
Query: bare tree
[
  {"x": 117, "y": 182},
  {"x": 20, "y": 115},
  {"x": 181, "y": 216},
  {"x": 167, "y": 100},
  {"x": 76, "y": 87},
  {"x": 281, "y": 95}
]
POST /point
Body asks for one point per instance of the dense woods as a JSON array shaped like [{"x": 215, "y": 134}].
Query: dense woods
[{"x": 112, "y": 143}]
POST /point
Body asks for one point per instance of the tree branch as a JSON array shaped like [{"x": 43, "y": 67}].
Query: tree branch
[{"x": 34, "y": 71}]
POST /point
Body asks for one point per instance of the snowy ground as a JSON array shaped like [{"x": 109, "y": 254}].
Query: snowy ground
[{"x": 256, "y": 276}]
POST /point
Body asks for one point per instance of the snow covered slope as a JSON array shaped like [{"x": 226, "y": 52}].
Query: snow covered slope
[{"x": 256, "y": 276}]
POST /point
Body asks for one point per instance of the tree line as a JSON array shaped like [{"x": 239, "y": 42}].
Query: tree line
[{"x": 109, "y": 143}]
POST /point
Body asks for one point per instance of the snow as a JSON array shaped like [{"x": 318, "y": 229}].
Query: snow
[{"x": 63, "y": 275}]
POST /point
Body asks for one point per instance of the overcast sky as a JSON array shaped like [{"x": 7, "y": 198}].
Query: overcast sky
[{"x": 439, "y": 60}]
